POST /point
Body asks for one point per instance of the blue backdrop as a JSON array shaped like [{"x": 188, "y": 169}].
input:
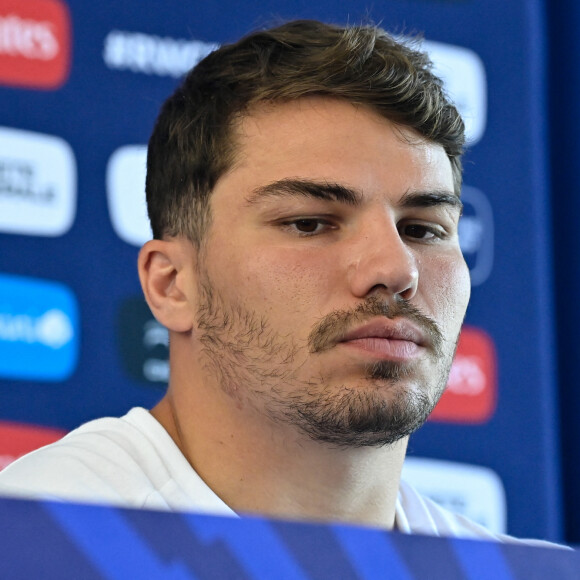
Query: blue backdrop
[{"x": 107, "y": 355}]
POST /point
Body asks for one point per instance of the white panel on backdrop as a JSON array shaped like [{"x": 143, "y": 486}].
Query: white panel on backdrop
[
  {"x": 126, "y": 173},
  {"x": 471, "y": 490},
  {"x": 38, "y": 180},
  {"x": 153, "y": 55},
  {"x": 463, "y": 73}
]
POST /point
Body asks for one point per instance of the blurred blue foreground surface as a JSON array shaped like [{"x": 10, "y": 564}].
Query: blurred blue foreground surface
[{"x": 56, "y": 540}]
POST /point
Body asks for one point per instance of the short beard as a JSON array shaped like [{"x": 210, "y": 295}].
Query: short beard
[
  {"x": 254, "y": 363},
  {"x": 355, "y": 417},
  {"x": 363, "y": 416}
]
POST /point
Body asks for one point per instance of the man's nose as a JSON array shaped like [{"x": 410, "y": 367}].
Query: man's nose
[{"x": 383, "y": 261}]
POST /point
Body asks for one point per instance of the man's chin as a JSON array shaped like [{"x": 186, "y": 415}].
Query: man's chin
[
  {"x": 390, "y": 371},
  {"x": 361, "y": 417}
]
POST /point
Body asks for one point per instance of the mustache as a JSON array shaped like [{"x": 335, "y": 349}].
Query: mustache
[{"x": 333, "y": 327}]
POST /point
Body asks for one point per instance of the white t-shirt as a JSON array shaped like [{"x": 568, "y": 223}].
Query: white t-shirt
[{"x": 133, "y": 462}]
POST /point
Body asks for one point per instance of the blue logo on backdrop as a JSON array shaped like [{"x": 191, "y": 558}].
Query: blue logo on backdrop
[
  {"x": 39, "y": 329},
  {"x": 476, "y": 234}
]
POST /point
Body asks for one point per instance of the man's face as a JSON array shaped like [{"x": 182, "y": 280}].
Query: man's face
[{"x": 331, "y": 285}]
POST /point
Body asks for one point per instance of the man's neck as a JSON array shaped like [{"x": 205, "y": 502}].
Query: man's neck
[{"x": 260, "y": 467}]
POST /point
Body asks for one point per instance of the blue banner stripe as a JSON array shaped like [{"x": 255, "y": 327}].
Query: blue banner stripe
[
  {"x": 32, "y": 546},
  {"x": 254, "y": 543},
  {"x": 317, "y": 549},
  {"x": 434, "y": 559},
  {"x": 132, "y": 558},
  {"x": 481, "y": 560},
  {"x": 57, "y": 540},
  {"x": 173, "y": 540},
  {"x": 372, "y": 554}
]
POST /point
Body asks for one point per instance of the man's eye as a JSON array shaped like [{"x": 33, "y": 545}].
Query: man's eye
[
  {"x": 420, "y": 232},
  {"x": 307, "y": 226}
]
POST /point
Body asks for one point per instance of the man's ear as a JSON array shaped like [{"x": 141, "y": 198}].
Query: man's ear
[{"x": 166, "y": 272}]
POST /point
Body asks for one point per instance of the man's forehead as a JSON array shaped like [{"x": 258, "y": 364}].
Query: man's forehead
[
  {"x": 300, "y": 118},
  {"x": 325, "y": 109},
  {"x": 331, "y": 140}
]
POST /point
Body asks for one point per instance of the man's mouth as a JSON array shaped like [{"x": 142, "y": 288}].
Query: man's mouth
[
  {"x": 397, "y": 340},
  {"x": 395, "y": 330}
]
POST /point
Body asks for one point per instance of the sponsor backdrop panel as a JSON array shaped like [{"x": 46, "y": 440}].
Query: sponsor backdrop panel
[{"x": 72, "y": 142}]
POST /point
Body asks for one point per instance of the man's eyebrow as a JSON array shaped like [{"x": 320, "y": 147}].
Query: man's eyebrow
[
  {"x": 295, "y": 187},
  {"x": 430, "y": 199}
]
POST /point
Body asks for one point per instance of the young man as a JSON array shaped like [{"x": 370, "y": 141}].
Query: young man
[{"x": 303, "y": 189}]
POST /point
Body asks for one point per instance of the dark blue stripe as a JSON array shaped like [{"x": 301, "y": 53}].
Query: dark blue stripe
[
  {"x": 256, "y": 546},
  {"x": 372, "y": 554},
  {"x": 97, "y": 531},
  {"x": 481, "y": 560}
]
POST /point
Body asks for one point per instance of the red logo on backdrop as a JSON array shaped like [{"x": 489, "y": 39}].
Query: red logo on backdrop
[
  {"x": 16, "y": 439},
  {"x": 471, "y": 392},
  {"x": 35, "y": 39}
]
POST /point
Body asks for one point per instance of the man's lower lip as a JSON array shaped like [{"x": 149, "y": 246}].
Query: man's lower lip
[{"x": 385, "y": 348}]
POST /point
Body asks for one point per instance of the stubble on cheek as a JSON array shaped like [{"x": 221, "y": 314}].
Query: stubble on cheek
[{"x": 240, "y": 349}]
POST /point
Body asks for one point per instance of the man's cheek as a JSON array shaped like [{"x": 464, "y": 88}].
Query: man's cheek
[
  {"x": 284, "y": 279},
  {"x": 445, "y": 287}
]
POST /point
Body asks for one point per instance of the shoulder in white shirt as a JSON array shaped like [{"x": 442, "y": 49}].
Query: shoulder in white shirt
[{"x": 133, "y": 462}]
